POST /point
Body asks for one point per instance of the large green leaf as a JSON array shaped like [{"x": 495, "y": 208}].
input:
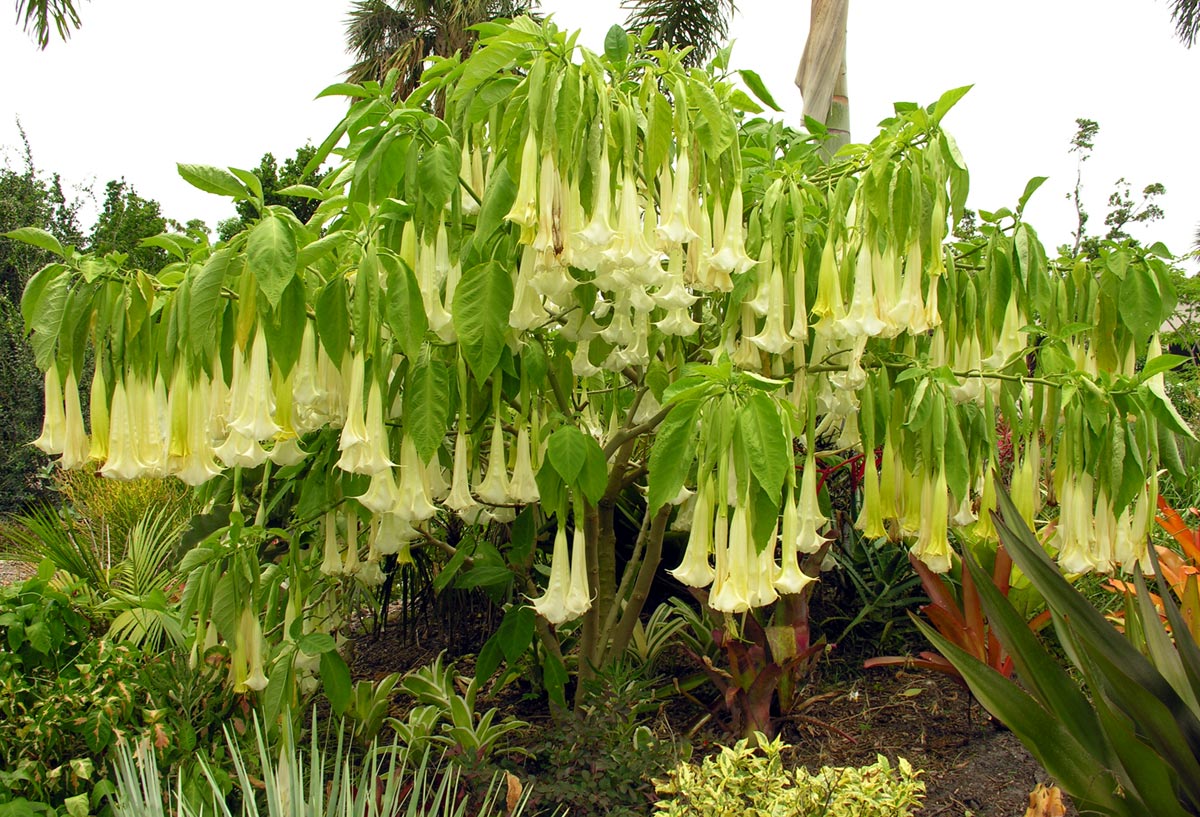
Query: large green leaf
[
  {"x": 438, "y": 173},
  {"x": 213, "y": 180},
  {"x": 672, "y": 453},
  {"x": 271, "y": 254},
  {"x": 37, "y": 237},
  {"x": 206, "y": 304},
  {"x": 567, "y": 450},
  {"x": 333, "y": 319},
  {"x": 759, "y": 89},
  {"x": 405, "y": 309},
  {"x": 51, "y": 306},
  {"x": 759, "y": 432},
  {"x": 335, "y": 681},
  {"x": 481, "y": 305},
  {"x": 427, "y": 406}
]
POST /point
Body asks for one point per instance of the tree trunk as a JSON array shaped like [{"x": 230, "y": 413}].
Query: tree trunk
[{"x": 821, "y": 76}]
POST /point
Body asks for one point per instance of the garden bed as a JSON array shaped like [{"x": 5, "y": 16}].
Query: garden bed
[{"x": 971, "y": 766}]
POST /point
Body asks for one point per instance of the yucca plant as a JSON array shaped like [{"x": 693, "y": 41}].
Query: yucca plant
[
  {"x": 317, "y": 783},
  {"x": 1130, "y": 744}
]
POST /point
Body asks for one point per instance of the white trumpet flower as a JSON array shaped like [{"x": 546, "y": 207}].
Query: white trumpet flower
[
  {"x": 579, "y": 597},
  {"x": 522, "y": 488},
  {"x": 493, "y": 490},
  {"x": 774, "y": 338},
  {"x": 695, "y": 570},
  {"x": 730, "y": 257},
  {"x": 98, "y": 408},
  {"x": 252, "y": 409},
  {"x": 676, "y": 228},
  {"x": 863, "y": 317},
  {"x": 75, "y": 441},
  {"x": 554, "y": 605},
  {"x": 54, "y": 424},
  {"x": 933, "y": 543},
  {"x": 792, "y": 579},
  {"x": 524, "y": 209},
  {"x": 733, "y": 594},
  {"x": 331, "y": 564},
  {"x": 413, "y": 489}
]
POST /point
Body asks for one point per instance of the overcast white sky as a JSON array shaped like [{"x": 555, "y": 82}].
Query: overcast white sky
[{"x": 147, "y": 83}]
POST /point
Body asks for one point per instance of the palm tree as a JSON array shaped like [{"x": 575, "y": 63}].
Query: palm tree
[
  {"x": 40, "y": 15},
  {"x": 401, "y": 34},
  {"x": 1186, "y": 16},
  {"x": 701, "y": 24}
]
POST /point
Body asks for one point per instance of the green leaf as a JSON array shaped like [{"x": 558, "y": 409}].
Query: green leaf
[
  {"x": 278, "y": 687},
  {"x": 47, "y": 321},
  {"x": 271, "y": 255},
  {"x": 1030, "y": 188},
  {"x": 316, "y": 643},
  {"x": 593, "y": 478},
  {"x": 1162, "y": 363},
  {"x": 567, "y": 450},
  {"x": 345, "y": 89},
  {"x": 284, "y": 326},
  {"x": 760, "y": 431},
  {"x": 481, "y": 305},
  {"x": 616, "y": 45},
  {"x": 314, "y": 251},
  {"x": 303, "y": 191},
  {"x": 516, "y": 632},
  {"x": 333, "y": 319},
  {"x": 716, "y": 122},
  {"x": 498, "y": 199},
  {"x": 947, "y": 101},
  {"x": 955, "y": 455},
  {"x": 671, "y": 456},
  {"x": 38, "y": 238},
  {"x": 427, "y": 406},
  {"x": 405, "y": 308},
  {"x": 660, "y": 130},
  {"x": 335, "y": 680},
  {"x": 759, "y": 89},
  {"x": 35, "y": 290},
  {"x": 1141, "y": 302},
  {"x": 485, "y": 62},
  {"x": 213, "y": 180},
  {"x": 437, "y": 173}
]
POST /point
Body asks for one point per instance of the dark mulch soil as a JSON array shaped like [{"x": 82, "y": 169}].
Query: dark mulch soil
[{"x": 971, "y": 767}]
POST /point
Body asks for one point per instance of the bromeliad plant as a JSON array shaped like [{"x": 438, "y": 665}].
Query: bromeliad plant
[
  {"x": 598, "y": 281},
  {"x": 1130, "y": 744},
  {"x": 960, "y": 618}
]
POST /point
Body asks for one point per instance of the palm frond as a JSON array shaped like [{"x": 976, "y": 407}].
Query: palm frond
[
  {"x": 701, "y": 24},
  {"x": 383, "y": 35},
  {"x": 74, "y": 548},
  {"x": 1186, "y": 16},
  {"x": 40, "y": 15}
]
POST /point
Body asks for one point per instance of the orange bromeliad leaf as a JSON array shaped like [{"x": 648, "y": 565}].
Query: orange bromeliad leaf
[{"x": 1174, "y": 525}]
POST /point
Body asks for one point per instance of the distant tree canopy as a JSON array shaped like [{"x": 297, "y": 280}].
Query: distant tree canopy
[
  {"x": 275, "y": 178},
  {"x": 125, "y": 219}
]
